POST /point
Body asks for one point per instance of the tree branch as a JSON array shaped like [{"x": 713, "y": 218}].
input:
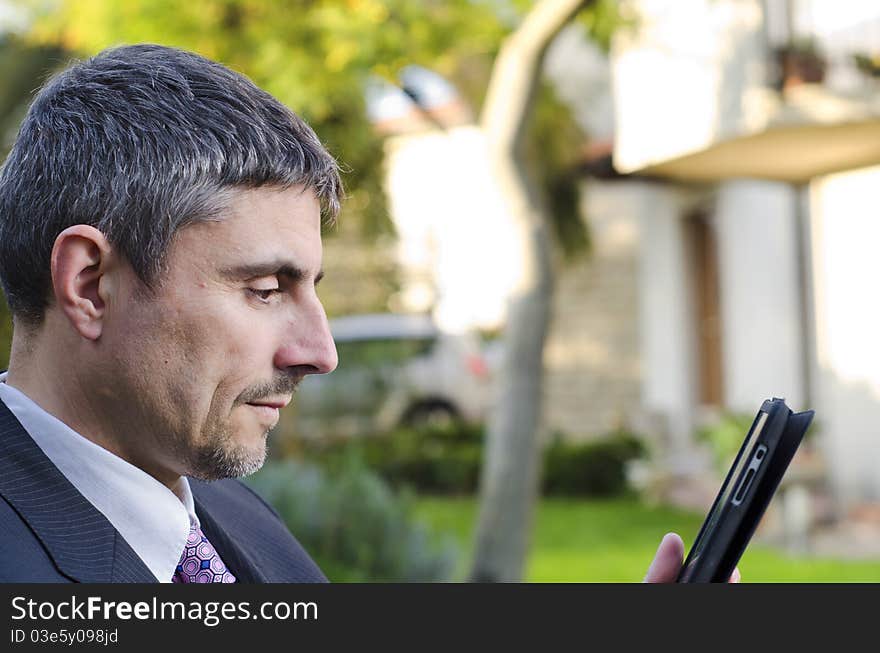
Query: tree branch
[{"x": 516, "y": 71}]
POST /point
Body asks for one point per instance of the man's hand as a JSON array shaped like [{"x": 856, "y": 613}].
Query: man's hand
[{"x": 668, "y": 560}]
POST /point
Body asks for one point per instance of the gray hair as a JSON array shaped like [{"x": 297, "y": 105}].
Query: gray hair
[{"x": 138, "y": 142}]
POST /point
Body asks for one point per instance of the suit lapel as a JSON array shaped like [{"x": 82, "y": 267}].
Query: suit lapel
[
  {"x": 80, "y": 540},
  {"x": 233, "y": 552}
]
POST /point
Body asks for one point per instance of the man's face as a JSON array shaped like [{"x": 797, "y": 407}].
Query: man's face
[{"x": 201, "y": 368}]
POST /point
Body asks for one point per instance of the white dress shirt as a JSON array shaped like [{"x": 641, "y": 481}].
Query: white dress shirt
[{"x": 153, "y": 520}]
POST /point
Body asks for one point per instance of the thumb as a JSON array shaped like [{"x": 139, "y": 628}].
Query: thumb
[{"x": 667, "y": 561}]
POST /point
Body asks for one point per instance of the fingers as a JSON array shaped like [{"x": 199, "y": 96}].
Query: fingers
[{"x": 667, "y": 561}]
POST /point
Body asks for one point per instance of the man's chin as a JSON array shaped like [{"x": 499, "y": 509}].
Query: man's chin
[{"x": 217, "y": 464}]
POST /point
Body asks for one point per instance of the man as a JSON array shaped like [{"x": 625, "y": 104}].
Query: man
[{"x": 160, "y": 248}]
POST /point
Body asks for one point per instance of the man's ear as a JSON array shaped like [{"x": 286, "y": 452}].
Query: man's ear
[{"x": 80, "y": 261}]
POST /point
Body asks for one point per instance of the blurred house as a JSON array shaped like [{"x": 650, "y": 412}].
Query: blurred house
[
  {"x": 750, "y": 136},
  {"x": 729, "y": 191}
]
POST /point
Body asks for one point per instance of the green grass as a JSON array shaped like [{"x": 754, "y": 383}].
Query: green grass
[{"x": 615, "y": 540}]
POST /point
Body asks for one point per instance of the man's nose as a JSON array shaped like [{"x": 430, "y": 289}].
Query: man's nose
[{"x": 309, "y": 344}]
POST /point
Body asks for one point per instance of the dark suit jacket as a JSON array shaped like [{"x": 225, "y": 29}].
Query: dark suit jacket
[{"x": 50, "y": 533}]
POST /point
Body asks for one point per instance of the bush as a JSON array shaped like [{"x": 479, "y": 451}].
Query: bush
[
  {"x": 448, "y": 459},
  {"x": 444, "y": 460},
  {"x": 595, "y": 468},
  {"x": 356, "y": 528},
  {"x": 431, "y": 459}
]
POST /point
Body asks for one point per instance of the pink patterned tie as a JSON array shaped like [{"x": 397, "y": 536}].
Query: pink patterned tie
[{"x": 200, "y": 562}]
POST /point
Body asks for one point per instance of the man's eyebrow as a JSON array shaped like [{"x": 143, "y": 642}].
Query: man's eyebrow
[{"x": 280, "y": 268}]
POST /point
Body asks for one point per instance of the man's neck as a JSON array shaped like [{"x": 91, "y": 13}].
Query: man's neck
[{"x": 69, "y": 395}]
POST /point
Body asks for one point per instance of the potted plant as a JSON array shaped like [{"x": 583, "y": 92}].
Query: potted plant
[{"x": 799, "y": 62}]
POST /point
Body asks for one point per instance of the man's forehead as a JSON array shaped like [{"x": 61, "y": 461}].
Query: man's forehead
[
  {"x": 296, "y": 201},
  {"x": 268, "y": 207},
  {"x": 267, "y": 227}
]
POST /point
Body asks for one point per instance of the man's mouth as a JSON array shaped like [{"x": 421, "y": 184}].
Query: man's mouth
[
  {"x": 268, "y": 409},
  {"x": 267, "y": 413},
  {"x": 274, "y": 403}
]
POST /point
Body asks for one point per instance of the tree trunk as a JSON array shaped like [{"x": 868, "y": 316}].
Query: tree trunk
[{"x": 509, "y": 482}]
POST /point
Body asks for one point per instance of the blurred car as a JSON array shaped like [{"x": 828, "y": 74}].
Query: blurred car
[{"x": 395, "y": 370}]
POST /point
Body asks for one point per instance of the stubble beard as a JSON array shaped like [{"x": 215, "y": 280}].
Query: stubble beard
[{"x": 221, "y": 457}]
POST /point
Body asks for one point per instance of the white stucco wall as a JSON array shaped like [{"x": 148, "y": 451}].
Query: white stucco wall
[
  {"x": 456, "y": 249},
  {"x": 759, "y": 291},
  {"x": 666, "y": 310},
  {"x": 688, "y": 75},
  {"x": 846, "y": 267},
  {"x": 581, "y": 76}
]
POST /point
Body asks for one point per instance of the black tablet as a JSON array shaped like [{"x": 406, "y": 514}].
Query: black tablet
[{"x": 753, "y": 478}]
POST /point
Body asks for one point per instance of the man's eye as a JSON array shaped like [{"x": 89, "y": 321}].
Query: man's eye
[{"x": 264, "y": 294}]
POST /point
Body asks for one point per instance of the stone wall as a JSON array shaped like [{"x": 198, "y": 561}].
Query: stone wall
[{"x": 592, "y": 383}]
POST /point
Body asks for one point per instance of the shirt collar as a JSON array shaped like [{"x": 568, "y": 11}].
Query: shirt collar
[{"x": 153, "y": 519}]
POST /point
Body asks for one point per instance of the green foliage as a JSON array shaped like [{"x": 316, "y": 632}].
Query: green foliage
[
  {"x": 447, "y": 460},
  {"x": 356, "y": 528},
  {"x": 553, "y": 145},
  {"x": 605, "y": 18},
  {"x": 595, "y": 468},
  {"x": 21, "y": 68},
  {"x": 725, "y": 437},
  {"x": 433, "y": 459}
]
